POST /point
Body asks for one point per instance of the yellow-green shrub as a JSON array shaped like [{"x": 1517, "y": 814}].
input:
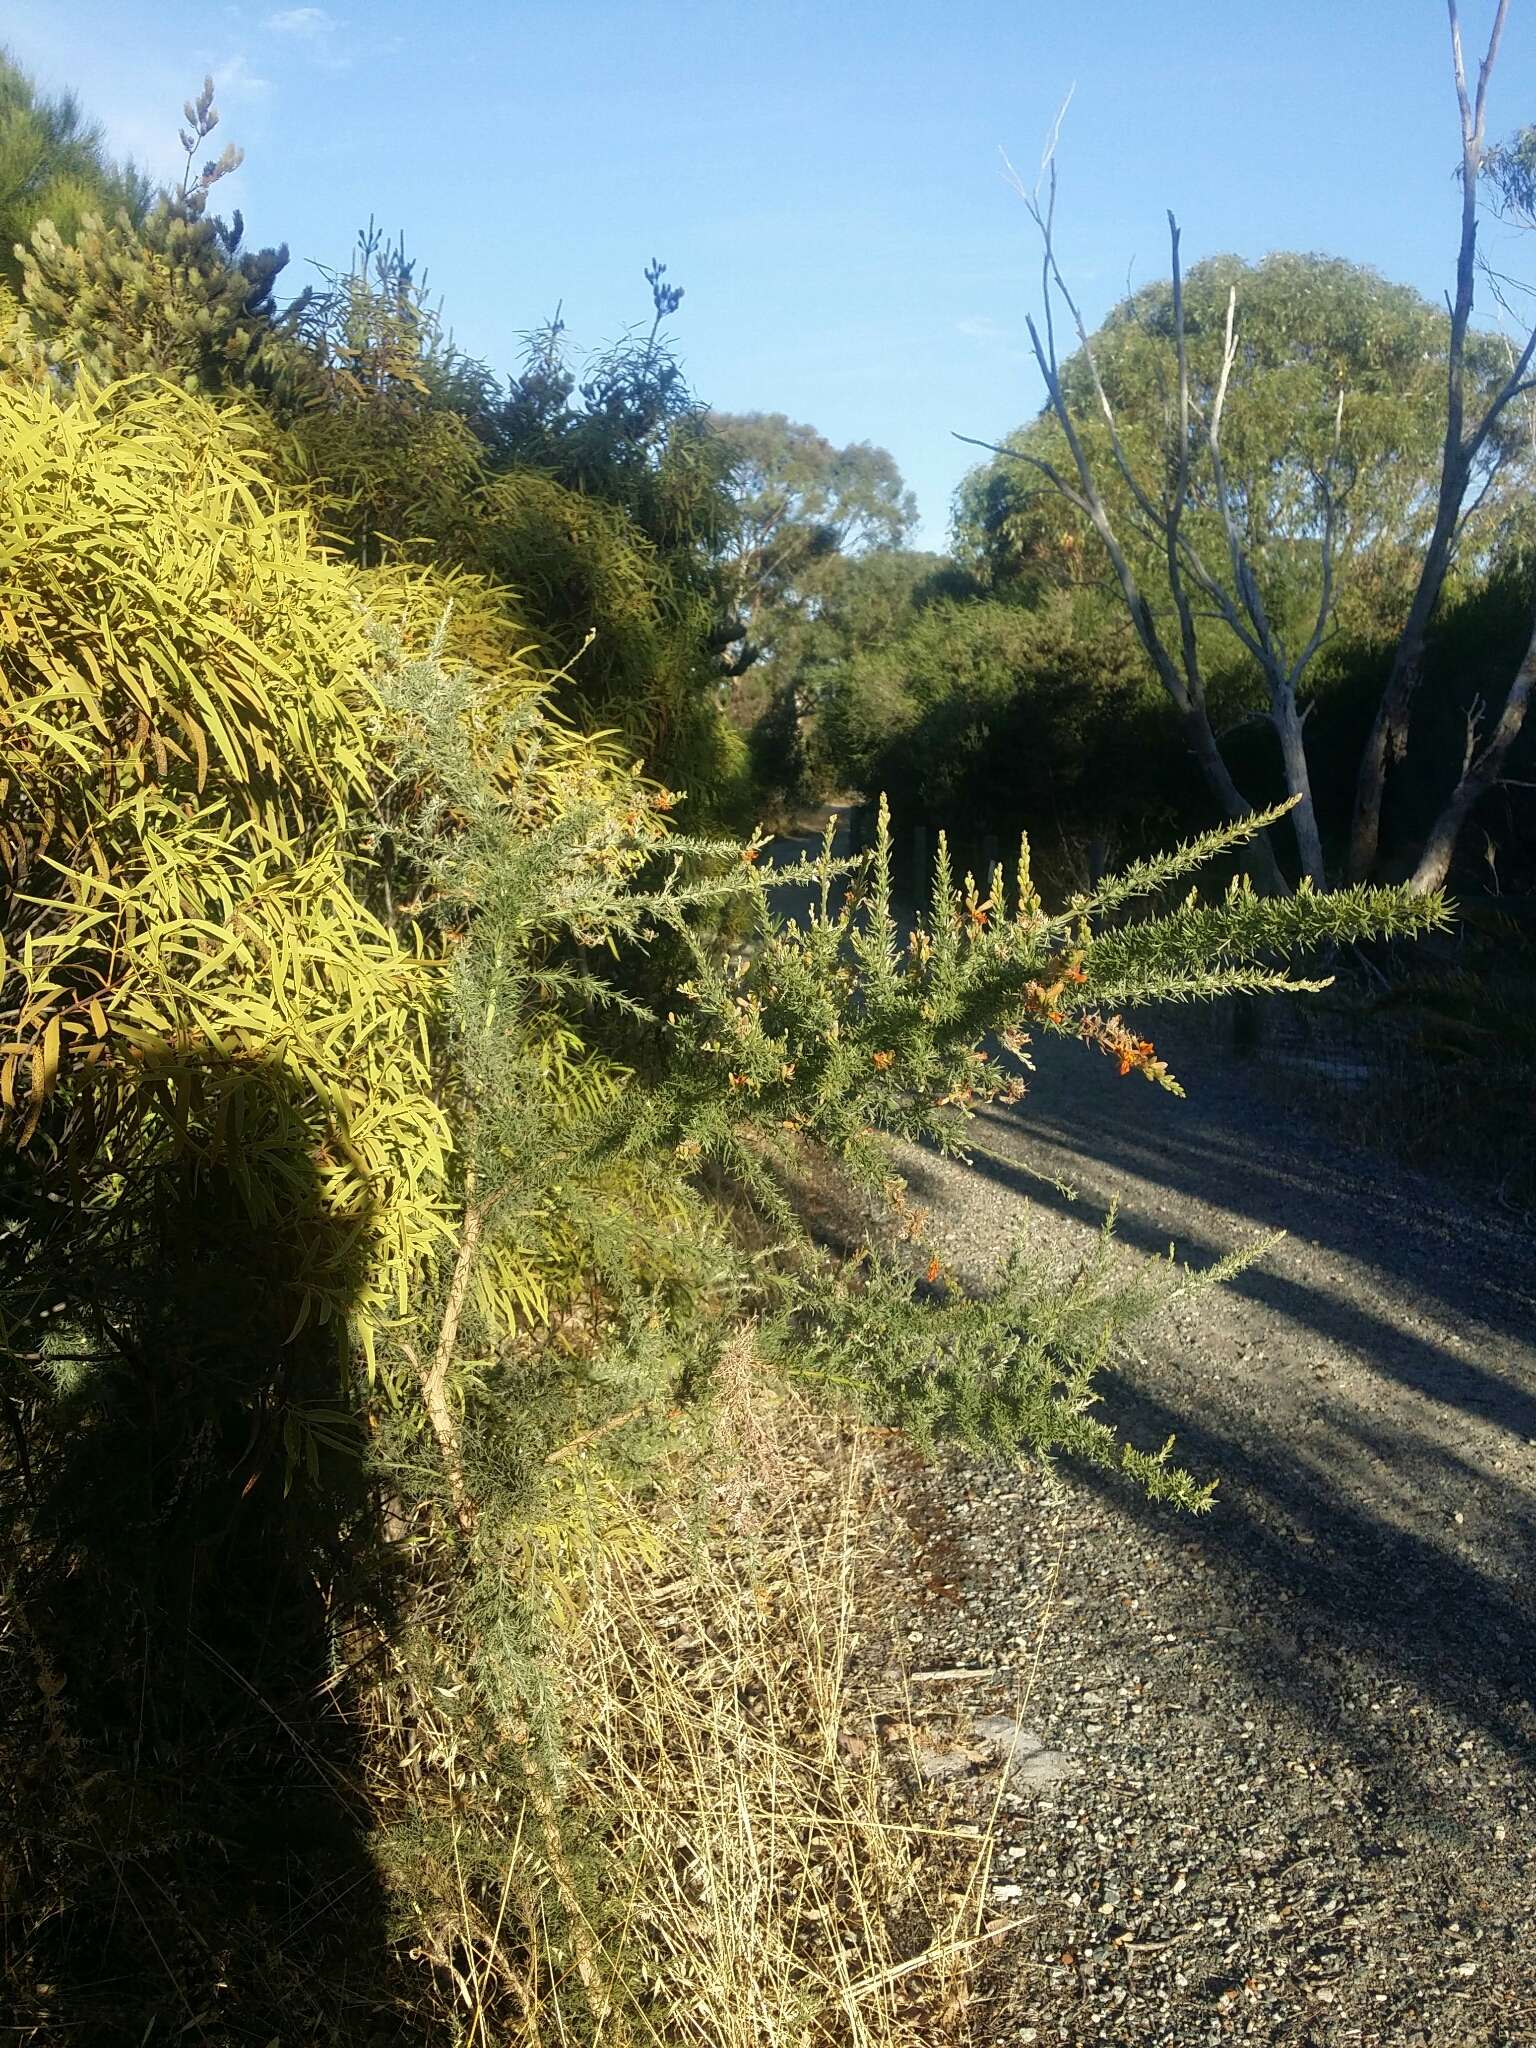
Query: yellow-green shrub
[
  {"x": 186, "y": 726},
  {"x": 194, "y": 753}
]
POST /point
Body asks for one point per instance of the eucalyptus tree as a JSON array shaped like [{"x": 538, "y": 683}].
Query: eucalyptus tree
[
  {"x": 1250, "y": 452},
  {"x": 800, "y": 505},
  {"x": 1262, "y": 455}
]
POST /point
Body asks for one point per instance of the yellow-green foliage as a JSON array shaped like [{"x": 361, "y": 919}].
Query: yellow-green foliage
[
  {"x": 478, "y": 620},
  {"x": 393, "y": 471},
  {"x": 186, "y": 720},
  {"x": 194, "y": 748},
  {"x": 607, "y": 611}
]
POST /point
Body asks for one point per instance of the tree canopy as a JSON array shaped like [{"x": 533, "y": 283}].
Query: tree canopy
[
  {"x": 798, "y": 503},
  {"x": 1324, "y": 347}
]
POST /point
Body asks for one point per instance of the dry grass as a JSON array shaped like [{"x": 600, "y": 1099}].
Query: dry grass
[
  {"x": 676, "y": 1825},
  {"x": 763, "y": 1886},
  {"x": 708, "y": 1845}
]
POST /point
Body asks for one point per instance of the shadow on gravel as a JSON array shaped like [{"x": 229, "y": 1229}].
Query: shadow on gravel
[
  {"x": 1351, "y": 1586},
  {"x": 1315, "y": 1579},
  {"x": 1338, "y": 1207}
]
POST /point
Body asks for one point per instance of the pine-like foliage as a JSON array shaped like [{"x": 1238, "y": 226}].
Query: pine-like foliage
[
  {"x": 174, "y": 293},
  {"x": 546, "y": 872},
  {"x": 163, "y": 287},
  {"x": 1012, "y": 1370}
]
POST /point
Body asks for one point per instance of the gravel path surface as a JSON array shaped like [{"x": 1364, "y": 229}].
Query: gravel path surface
[{"x": 1274, "y": 1776}]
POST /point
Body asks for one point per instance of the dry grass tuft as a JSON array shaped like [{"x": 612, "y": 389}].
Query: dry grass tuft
[
  {"x": 760, "y": 1885},
  {"x": 691, "y": 1835}
]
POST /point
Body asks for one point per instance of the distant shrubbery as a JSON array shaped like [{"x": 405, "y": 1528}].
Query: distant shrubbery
[{"x": 982, "y": 713}]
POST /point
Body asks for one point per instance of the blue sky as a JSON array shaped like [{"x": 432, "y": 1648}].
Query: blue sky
[{"x": 822, "y": 179}]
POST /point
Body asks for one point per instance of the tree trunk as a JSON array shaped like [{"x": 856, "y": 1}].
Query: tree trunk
[
  {"x": 1260, "y": 853},
  {"x": 1388, "y": 737},
  {"x": 1479, "y": 774},
  {"x": 1298, "y": 783}
]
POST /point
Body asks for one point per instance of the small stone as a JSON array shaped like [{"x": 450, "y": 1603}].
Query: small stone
[
  {"x": 943, "y": 1763},
  {"x": 1025, "y": 1758}
]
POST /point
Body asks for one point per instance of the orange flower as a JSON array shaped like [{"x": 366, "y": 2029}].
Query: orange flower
[{"x": 883, "y": 1060}]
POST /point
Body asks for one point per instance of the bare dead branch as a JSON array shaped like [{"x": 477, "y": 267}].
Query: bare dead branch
[
  {"x": 1181, "y": 678},
  {"x": 1047, "y": 469},
  {"x": 434, "y": 1382},
  {"x": 1388, "y": 736},
  {"x": 1177, "y": 496},
  {"x": 1228, "y": 358}
]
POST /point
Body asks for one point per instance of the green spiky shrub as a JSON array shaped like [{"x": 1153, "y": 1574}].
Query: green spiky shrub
[{"x": 713, "y": 1086}]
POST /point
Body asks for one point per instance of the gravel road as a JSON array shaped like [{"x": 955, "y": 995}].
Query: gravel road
[{"x": 1286, "y": 1791}]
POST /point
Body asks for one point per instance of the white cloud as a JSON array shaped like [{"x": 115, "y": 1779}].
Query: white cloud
[
  {"x": 316, "y": 32},
  {"x": 977, "y": 327},
  {"x": 234, "y": 79},
  {"x": 308, "y": 24}
]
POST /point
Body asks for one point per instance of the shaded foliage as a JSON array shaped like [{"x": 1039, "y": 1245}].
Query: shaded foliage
[{"x": 983, "y": 714}]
